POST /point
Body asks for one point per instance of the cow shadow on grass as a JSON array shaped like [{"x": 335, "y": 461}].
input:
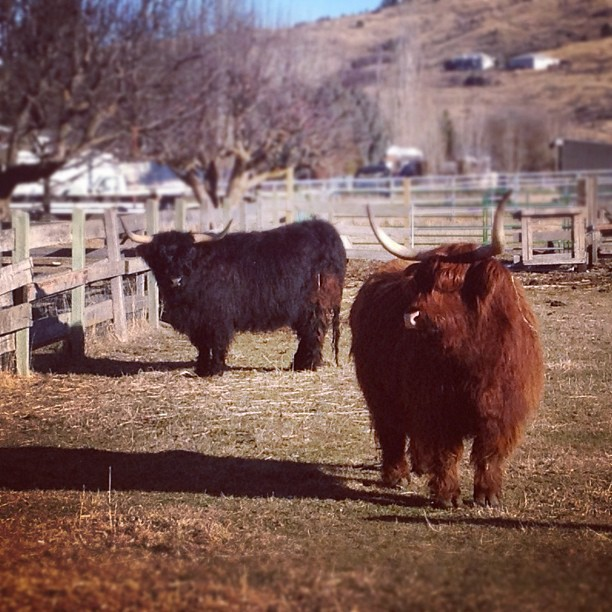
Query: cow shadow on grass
[
  {"x": 58, "y": 363},
  {"x": 177, "y": 471},
  {"x": 79, "y": 469}
]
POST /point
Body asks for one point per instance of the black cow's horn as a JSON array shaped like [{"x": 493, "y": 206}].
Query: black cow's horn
[
  {"x": 211, "y": 236},
  {"x": 487, "y": 250},
  {"x": 206, "y": 237},
  {"x": 138, "y": 237}
]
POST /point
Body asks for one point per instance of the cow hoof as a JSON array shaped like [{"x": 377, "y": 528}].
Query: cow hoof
[
  {"x": 305, "y": 367},
  {"x": 209, "y": 372},
  {"x": 397, "y": 476},
  {"x": 447, "y": 504},
  {"x": 442, "y": 504},
  {"x": 395, "y": 480},
  {"x": 397, "y": 485},
  {"x": 484, "y": 500}
]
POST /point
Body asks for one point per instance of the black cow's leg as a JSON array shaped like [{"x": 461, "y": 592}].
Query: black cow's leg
[
  {"x": 307, "y": 356},
  {"x": 311, "y": 335},
  {"x": 203, "y": 363},
  {"x": 210, "y": 362},
  {"x": 212, "y": 347},
  {"x": 217, "y": 364}
]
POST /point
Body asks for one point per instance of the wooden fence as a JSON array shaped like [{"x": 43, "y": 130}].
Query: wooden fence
[
  {"x": 60, "y": 279},
  {"x": 549, "y": 222},
  {"x": 52, "y": 288}
]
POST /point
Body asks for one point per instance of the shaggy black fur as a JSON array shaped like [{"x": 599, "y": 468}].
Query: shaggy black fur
[{"x": 257, "y": 281}]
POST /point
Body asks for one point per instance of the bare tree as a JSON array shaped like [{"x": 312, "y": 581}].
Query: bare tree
[
  {"x": 409, "y": 103},
  {"x": 246, "y": 115},
  {"x": 194, "y": 85},
  {"x": 66, "y": 69}
]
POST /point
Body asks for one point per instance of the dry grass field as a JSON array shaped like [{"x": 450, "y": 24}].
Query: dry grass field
[{"x": 127, "y": 484}]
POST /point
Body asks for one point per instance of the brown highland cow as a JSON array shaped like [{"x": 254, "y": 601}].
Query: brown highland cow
[{"x": 447, "y": 350}]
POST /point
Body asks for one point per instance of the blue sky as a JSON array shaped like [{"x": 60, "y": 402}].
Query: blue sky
[{"x": 284, "y": 12}]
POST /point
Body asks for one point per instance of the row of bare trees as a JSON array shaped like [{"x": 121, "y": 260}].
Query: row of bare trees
[{"x": 193, "y": 85}]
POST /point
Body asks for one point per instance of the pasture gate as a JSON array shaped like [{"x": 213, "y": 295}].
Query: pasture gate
[{"x": 60, "y": 279}]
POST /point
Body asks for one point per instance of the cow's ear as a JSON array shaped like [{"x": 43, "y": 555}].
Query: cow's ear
[{"x": 482, "y": 279}]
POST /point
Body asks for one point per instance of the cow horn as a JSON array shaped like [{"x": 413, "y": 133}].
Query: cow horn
[
  {"x": 498, "y": 236},
  {"x": 388, "y": 243},
  {"x": 487, "y": 250},
  {"x": 211, "y": 236},
  {"x": 138, "y": 238}
]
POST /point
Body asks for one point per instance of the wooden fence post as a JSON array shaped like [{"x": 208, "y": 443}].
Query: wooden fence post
[
  {"x": 289, "y": 208},
  {"x": 180, "y": 215},
  {"x": 21, "y": 226},
  {"x": 111, "y": 227},
  {"x": 406, "y": 199},
  {"x": 152, "y": 227},
  {"x": 242, "y": 224},
  {"x": 76, "y": 340},
  {"x": 587, "y": 197}
]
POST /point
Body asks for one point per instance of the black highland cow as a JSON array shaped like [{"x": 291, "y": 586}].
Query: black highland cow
[{"x": 214, "y": 286}]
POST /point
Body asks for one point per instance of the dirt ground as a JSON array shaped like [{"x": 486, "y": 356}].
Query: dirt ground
[{"x": 126, "y": 483}]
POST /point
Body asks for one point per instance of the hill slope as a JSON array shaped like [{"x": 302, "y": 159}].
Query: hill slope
[{"x": 397, "y": 54}]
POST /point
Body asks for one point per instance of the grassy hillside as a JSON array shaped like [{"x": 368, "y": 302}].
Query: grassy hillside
[{"x": 397, "y": 54}]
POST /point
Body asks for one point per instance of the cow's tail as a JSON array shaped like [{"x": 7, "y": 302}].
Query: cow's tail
[{"x": 336, "y": 333}]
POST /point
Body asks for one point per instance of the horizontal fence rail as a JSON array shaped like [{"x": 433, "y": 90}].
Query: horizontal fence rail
[{"x": 60, "y": 279}]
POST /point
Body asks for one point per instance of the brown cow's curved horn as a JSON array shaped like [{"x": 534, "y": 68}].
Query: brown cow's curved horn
[
  {"x": 498, "y": 236},
  {"x": 388, "y": 243},
  {"x": 483, "y": 252},
  {"x": 211, "y": 236}
]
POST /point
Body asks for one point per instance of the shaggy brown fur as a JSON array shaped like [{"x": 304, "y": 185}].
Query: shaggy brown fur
[{"x": 446, "y": 352}]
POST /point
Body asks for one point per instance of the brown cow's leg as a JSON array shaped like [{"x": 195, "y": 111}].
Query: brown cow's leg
[
  {"x": 488, "y": 483},
  {"x": 488, "y": 476},
  {"x": 420, "y": 459},
  {"x": 392, "y": 440},
  {"x": 444, "y": 475},
  {"x": 488, "y": 456}
]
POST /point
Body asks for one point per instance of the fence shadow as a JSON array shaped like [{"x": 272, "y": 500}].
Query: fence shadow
[
  {"x": 492, "y": 521},
  {"x": 52, "y": 468}
]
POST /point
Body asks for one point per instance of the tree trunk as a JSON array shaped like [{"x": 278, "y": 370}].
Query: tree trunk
[{"x": 5, "y": 211}]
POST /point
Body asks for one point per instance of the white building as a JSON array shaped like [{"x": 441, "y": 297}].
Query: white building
[
  {"x": 532, "y": 61},
  {"x": 470, "y": 61}
]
